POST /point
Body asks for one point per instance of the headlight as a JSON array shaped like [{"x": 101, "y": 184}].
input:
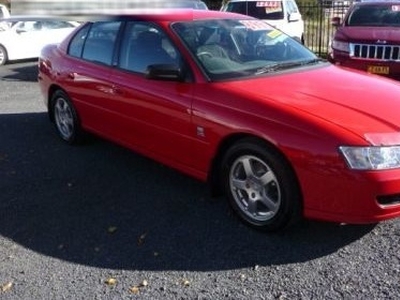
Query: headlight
[
  {"x": 372, "y": 158},
  {"x": 340, "y": 46}
]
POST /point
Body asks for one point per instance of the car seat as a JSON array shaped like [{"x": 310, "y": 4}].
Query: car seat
[{"x": 147, "y": 50}]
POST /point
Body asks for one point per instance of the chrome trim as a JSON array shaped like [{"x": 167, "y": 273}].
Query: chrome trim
[{"x": 375, "y": 52}]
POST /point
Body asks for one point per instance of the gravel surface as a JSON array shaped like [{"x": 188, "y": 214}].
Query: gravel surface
[{"x": 100, "y": 222}]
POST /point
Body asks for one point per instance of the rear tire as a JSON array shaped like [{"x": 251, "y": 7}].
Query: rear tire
[
  {"x": 261, "y": 186},
  {"x": 65, "y": 118}
]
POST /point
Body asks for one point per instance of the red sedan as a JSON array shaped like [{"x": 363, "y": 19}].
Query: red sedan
[{"x": 230, "y": 100}]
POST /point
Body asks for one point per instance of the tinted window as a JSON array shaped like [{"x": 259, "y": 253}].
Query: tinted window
[
  {"x": 144, "y": 45},
  {"x": 76, "y": 44},
  {"x": 99, "y": 42},
  {"x": 375, "y": 15}
]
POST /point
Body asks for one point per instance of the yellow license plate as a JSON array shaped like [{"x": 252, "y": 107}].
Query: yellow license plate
[{"x": 378, "y": 69}]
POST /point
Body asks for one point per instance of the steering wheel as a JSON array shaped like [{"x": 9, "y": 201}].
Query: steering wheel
[
  {"x": 278, "y": 51},
  {"x": 204, "y": 54}
]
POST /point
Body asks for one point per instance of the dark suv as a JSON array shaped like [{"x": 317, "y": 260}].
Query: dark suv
[{"x": 369, "y": 38}]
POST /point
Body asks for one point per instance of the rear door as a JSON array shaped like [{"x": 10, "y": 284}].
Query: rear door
[{"x": 86, "y": 73}]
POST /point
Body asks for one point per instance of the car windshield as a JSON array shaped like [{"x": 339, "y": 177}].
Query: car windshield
[
  {"x": 238, "y": 48},
  {"x": 266, "y": 10},
  {"x": 375, "y": 15}
]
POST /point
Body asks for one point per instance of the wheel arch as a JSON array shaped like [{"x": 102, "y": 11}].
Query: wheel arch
[
  {"x": 216, "y": 164},
  {"x": 69, "y": 128},
  {"x": 52, "y": 89},
  {"x": 6, "y": 56}
]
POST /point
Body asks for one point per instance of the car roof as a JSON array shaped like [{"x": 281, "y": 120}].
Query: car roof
[
  {"x": 176, "y": 14},
  {"x": 21, "y": 18},
  {"x": 195, "y": 4}
]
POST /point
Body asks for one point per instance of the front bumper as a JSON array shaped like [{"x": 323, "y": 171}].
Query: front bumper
[
  {"x": 342, "y": 195},
  {"x": 379, "y": 67}
]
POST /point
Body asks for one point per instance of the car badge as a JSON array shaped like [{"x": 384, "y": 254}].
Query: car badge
[{"x": 381, "y": 42}]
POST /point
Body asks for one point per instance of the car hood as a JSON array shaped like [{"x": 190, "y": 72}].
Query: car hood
[
  {"x": 364, "y": 104},
  {"x": 369, "y": 34}
]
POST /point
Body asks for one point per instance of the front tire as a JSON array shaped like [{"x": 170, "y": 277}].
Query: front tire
[
  {"x": 65, "y": 118},
  {"x": 3, "y": 56},
  {"x": 261, "y": 186}
]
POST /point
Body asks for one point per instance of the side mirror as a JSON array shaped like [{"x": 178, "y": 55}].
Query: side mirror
[
  {"x": 335, "y": 21},
  {"x": 170, "y": 72},
  {"x": 293, "y": 17}
]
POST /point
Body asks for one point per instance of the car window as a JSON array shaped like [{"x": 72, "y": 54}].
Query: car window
[
  {"x": 291, "y": 7},
  {"x": 76, "y": 44},
  {"x": 29, "y": 26},
  {"x": 265, "y": 10},
  {"x": 375, "y": 15},
  {"x": 52, "y": 24},
  {"x": 143, "y": 44},
  {"x": 100, "y": 41}
]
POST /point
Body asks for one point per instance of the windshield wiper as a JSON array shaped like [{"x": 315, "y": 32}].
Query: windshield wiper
[
  {"x": 301, "y": 63},
  {"x": 312, "y": 61},
  {"x": 288, "y": 65},
  {"x": 267, "y": 69}
]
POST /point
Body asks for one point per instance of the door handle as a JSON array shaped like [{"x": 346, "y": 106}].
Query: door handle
[{"x": 116, "y": 90}]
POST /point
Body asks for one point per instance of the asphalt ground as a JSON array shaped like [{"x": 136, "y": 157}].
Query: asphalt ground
[{"x": 100, "y": 222}]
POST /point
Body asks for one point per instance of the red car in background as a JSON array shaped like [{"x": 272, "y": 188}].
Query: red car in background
[
  {"x": 368, "y": 39},
  {"x": 228, "y": 99}
]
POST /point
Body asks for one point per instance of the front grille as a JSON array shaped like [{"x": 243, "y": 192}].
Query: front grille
[{"x": 375, "y": 52}]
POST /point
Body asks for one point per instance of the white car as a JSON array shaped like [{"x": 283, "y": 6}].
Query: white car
[
  {"x": 282, "y": 14},
  {"x": 4, "y": 13},
  {"x": 24, "y": 37}
]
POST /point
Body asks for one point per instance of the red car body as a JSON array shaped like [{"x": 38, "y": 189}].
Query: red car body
[
  {"x": 369, "y": 38},
  {"x": 305, "y": 114}
]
